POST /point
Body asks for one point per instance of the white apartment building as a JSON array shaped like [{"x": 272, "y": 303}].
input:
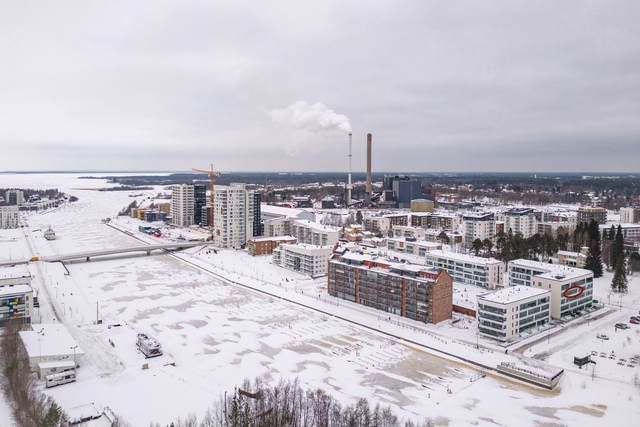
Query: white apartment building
[
  {"x": 629, "y": 231},
  {"x": 412, "y": 246},
  {"x": 14, "y": 197},
  {"x": 182, "y": 205},
  {"x": 520, "y": 221},
  {"x": 234, "y": 209},
  {"x": 310, "y": 260},
  {"x": 505, "y": 314},
  {"x": 630, "y": 215},
  {"x": 377, "y": 224},
  {"x": 468, "y": 269},
  {"x": 571, "y": 288},
  {"x": 312, "y": 233},
  {"x": 478, "y": 226},
  {"x": 9, "y": 217},
  {"x": 409, "y": 231}
]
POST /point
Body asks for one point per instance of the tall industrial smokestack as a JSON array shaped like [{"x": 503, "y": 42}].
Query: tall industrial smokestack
[
  {"x": 368, "y": 190},
  {"x": 349, "y": 186}
]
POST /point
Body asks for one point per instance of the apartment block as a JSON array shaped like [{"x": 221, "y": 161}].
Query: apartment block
[
  {"x": 234, "y": 215},
  {"x": 404, "y": 290},
  {"x": 266, "y": 245},
  {"x": 505, "y": 314},
  {"x": 478, "y": 226},
  {"x": 571, "y": 288},
  {"x": 520, "y": 221},
  {"x": 468, "y": 269},
  {"x": 586, "y": 214},
  {"x": 310, "y": 260},
  {"x": 630, "y": 215},
  {"x": 182, "y": 205},
  {"x": 312, "y": 233},
  {"x": 9, "y": 217}
]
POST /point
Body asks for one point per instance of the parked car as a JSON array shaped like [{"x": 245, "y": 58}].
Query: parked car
[
  {"x": 602, "y": 336},
  {"x": 622, "y": 326},
  {"x": 634, "y": 321},
  {"x": 636, "y": 318}
]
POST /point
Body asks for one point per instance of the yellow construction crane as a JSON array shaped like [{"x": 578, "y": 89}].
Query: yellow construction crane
[{"x": 212, "y": 175}]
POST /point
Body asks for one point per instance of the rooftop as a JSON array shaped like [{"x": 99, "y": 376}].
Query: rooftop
[
  {"x": 463, "y": 257},
  {"x": 512, "y": 294}
]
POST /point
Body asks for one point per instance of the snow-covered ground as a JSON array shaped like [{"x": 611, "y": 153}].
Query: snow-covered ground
[{"x": 223, "y": 316}]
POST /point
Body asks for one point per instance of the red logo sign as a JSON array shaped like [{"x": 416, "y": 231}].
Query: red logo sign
[{"x": 573, "y": 292}]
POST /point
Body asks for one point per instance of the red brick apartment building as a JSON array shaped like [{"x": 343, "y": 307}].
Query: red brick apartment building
[
  {"x": 412, "y": 291},
  {"x": 266, "y": 245}
]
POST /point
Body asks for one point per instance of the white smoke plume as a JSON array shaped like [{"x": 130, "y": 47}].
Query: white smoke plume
[{"x": 311, "y": 118}]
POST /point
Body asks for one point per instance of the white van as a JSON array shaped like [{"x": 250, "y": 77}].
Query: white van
[{"x": 602, "y": 336}]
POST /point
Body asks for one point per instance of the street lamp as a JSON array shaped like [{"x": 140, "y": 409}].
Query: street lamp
[{"x": 75, "y": 365}]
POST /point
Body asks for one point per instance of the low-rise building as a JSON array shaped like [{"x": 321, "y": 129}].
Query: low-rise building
[
  {"x": 266, "y": 245},
  {"x": 16, "y": 295},
  {"x": 303, "y": 258},
  {"x": 571, "y": 288},
  {"x": 407, "y": 290},
  {"x": 506, "y": 313}
]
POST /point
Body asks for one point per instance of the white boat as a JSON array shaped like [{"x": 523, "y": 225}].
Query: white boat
[{"x": 49, "y": 234}]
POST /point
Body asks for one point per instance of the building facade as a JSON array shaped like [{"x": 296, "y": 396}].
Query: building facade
[
  {"x": 199, "y": 201},
  {"x": 266, "y": 245},
  {"x": 182, "y": 205},
  {"x": 233, "y": 215},
  {"x": 478, "y": 226},
  {"x": 306, "y": 259},
  {"x": 467, "y": 269},
  {"x": 9, "y": 217},
  {"x": 507, "y": 313},
  {"x": 520, "y": 221},
  {"x": 16, "y": 297},
  {"x": 403, "y": 290},
  {"x": 571, "y": 288},
  {"x": 586, "y": 214},
  {"x": 630, "y": 215},
  {"x": 312, "y": 233}
]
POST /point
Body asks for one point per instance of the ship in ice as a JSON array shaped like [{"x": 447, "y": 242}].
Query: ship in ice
[{"x": 49, "y": 234}]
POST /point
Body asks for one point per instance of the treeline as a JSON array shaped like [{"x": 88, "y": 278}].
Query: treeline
[
  {"x": 29, "y": 406},
  {"x": 255, "y": 404}
]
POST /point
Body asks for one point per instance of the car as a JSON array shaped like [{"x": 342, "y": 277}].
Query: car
[
  {"x": 634, "y": 321},
  {"x": 602, "y": 336},
  {"x": 622, "y": 326},
  {"x": 636, "y": 318}
]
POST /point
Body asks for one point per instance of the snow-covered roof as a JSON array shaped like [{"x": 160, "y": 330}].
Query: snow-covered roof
[
  {"x": 463, "y": 257},
  {"x": 47, "y": 340},
  {"x": 512, "y": 294},
  {"x": 551, "y": 270}
]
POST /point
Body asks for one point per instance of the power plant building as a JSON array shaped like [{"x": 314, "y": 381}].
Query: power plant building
[{"x": 400, "y": 289}]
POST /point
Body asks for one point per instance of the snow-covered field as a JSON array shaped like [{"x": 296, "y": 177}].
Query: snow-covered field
[{"x": 225, "y": 316}]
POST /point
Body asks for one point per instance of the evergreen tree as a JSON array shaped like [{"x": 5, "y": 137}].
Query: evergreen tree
[
  {"x": 476, "y": 245},
  {"x": 617, "y": 247},
  {"x": 619, "y": 282},
  {"x": 594, "y": 255}
]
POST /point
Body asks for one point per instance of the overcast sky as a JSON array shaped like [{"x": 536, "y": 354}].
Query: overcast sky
[{"x": 277, "y": 85}]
